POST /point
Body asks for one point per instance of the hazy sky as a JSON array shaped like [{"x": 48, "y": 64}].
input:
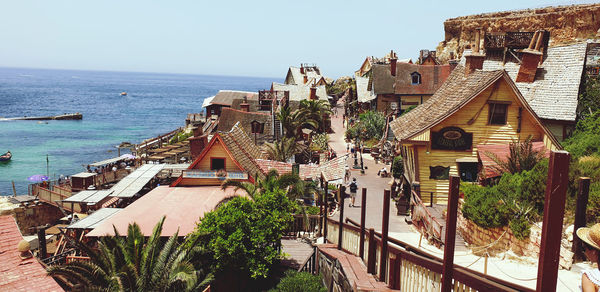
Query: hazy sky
[{"x": 244, "y": 38}]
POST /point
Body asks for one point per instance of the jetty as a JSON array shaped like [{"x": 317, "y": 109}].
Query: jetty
[{"x": 71, "y": 116}]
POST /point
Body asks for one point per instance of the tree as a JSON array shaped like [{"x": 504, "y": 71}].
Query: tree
[
  {"x": 293, "y": 122},
  {"x": 244, "y": 235},
  {"x": 316, "y": 110},
  {"x": 133, "y": 263},
  {"x": 370, "y": 125},
  {"x": 521, "y": 157},
  {"x": 283, "y": 150},
  {"x": 273, "y": 181}
]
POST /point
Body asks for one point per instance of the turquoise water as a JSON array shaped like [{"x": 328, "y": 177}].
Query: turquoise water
[{"x": 155, "y": 104}]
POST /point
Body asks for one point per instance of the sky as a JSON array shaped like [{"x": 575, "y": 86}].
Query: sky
[{"x": 238, "y": 38}]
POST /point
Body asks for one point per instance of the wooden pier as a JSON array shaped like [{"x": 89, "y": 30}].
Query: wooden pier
[{"x": 72, "y": 116}]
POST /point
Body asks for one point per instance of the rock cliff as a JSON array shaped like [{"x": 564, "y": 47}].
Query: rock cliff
[{"x": 566, "y": 24}]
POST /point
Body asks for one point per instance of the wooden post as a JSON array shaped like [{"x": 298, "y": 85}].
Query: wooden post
[
  {"x": 450, "y": 233},
  {"x": 363, "y": 209},
  {"x": 341, "y": 193},
  {"x": 372, "y": 252},
  {"x": 582, "y": 200},
  {"x": 385, "y": 223},
  {"x": 431, "y": 199},
  {"x": 325, "y": 215},
  {"x": 14, "y": 189},
  {"x": 554, "y": 211}
]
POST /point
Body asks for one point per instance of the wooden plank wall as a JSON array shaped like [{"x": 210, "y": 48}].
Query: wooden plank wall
[
  {"x": 218, "y": 150},
  {"x": 482, "y": 134}
]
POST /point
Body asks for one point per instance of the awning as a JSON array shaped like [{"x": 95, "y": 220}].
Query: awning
[
  {"x": 84, "y": 174},
  {"x": 107, "y": 161},
  {"x": 467, "y": 159},
  {"x": 135, "y": 181},
  {"x": 93, "y": 220},
  {"x": 88, "y": 197},
  {"x": 110, "y": 202}
]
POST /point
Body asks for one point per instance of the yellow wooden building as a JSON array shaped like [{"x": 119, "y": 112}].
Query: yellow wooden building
[{"x": 473, "y": 107}]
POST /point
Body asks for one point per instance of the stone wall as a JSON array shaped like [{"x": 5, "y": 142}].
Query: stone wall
[
  {"x": 565, "y": 24},
  {"x": 498, "y": 240},
  {"x": 35, "y": 215}
]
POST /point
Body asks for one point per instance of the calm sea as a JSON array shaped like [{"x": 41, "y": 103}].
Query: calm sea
[{"x": 155, "y": 104}]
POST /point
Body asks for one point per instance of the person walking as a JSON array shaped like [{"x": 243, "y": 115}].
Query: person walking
[
  {"x": 353, "y": 186},
  {"x": 590, "y": 279}
]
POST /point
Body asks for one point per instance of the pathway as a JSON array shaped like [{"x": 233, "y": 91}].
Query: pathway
[
  {"x": 297, "y": 251},
  {"x": 505, "y": 266}
]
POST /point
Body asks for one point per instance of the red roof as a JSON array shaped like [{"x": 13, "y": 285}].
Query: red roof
[
  {"x": 307, "y": 171},
  {"x": 17, "y": 274},
  {"x": 501, "y": 151},
  {"x": 183, "y": 207}
]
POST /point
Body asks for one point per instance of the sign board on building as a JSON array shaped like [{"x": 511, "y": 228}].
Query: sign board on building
[
  {"x": 451, "y": 138},
  {"x": 213, "y": 174}
]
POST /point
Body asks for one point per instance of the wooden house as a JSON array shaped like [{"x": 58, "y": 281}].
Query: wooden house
[
  {"x": 306, "y": 74},
  {"x": 473, "y": 107}
]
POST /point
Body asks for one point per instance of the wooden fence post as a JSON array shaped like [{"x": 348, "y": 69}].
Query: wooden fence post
[
  {"x": 385, "y": 223},
  {"x": 341, "y": 193},
  {"x": 450, "y": 237},
  {"x": 363, "y": 209},
  {"x": 554, "y": 211},
  {"x": 372, "y": 252},
  {"x": 325, "y": 215},
  {"x": 580, "y": 220}
]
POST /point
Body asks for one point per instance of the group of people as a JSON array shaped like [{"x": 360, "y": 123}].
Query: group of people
[{"x": 110, "y": 167}]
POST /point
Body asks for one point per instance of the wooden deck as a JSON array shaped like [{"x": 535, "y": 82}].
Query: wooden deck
[
  {"x": 297, "y": 250},
  {"x": 436, "y": 211}
]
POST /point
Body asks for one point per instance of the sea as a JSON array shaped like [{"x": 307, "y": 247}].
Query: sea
[{"x": 155, "y": 104}]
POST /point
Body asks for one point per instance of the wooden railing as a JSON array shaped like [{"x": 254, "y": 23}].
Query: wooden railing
[
  {"x": 63, "y": 190},
  {"x": 52, "y": 197},
  {"x": 70, "y": 259},
  {"x": 407, "y": 267},
  {"x": 300, "y": 226},
  {"x": 310, "y": 264},
  {"x": 425, "y": 222}
]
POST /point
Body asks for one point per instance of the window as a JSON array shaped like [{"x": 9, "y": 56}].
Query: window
[
  {"x": 468, "y": 171},
  {"x": 416, "y": 78},
  {"x": 217, "y": 163},
  {"x": 439, "y": 172},
  {"x": 498, "y": 112}
]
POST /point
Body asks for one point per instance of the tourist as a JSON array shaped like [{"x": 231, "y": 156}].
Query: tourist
[
  {"x": 590, "y": 279},
  {"x": 353, "y": 186},
  {"x": 347, "y": 174},
  {"x": 383, "y": 172}
]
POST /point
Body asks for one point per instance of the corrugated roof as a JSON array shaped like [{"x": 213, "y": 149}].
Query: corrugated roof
[
  {"x": 182, "y": 206},
  {"x": 554, "y": 93},
  {"x": 17, "y": 274},
  {"x": 226, "y": 97},
  {"x": 455, "y": 92},
  {"x": 501, "y": 151},
  {"x": 84, "y": 174},
  {"x": 135, "y": 181},
  {"x": 88, "y": 197},
  {"x": 107, "y": 161},
  {"x": 206, "y": 102},
  {"x": 92, "y": 221}
]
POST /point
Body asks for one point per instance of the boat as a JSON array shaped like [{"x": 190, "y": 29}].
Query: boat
[
  {"x": 6, "y": 156},
  {"x": 123, "y": 93}
]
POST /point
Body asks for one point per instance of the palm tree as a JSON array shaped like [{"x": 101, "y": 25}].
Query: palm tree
[
  {"x": 133, "y": 263},
  {"x": 317, "y": 110},
  {"x": 293, "y": 122},
  {"x": 283, "y": 150},
  {"x": 271, "y": 182}
]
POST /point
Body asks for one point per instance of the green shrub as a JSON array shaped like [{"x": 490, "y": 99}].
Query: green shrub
[
  {"x": 312, "y": 210},
  {"x": 370, "y": 125},
  {"x": 398, "y": 167},
  {"x": 484, "y": 206},
  {"x": 520, "y": 227},
  {"x": 299, "y": 281}
]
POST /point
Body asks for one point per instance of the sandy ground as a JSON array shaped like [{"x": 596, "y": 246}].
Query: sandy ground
[{"x": 520, "y": 270}]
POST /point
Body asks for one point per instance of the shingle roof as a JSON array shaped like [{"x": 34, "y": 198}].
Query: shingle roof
[
  {"x": 243, "y": 149},
  {"x": 295, "y": 77},
  {"x": 300, "y": 92},
  {"x": 454, "y": 93},
  {"x": 229, "y": 117},
  {"x": 307, "y": 171},
  {"x": 226, "y": 97},
  {"x": 432, "y": 77},
  {"x": 362, "y": 89},
  {"x": 553, "y": 95},
  {"x": 17, "y": 274}
]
